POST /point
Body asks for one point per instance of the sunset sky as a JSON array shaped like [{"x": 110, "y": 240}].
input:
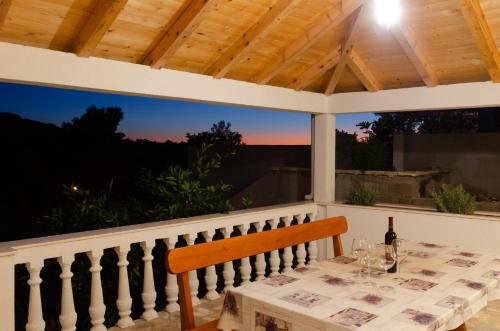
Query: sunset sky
[{"x": 162, "y": 120}]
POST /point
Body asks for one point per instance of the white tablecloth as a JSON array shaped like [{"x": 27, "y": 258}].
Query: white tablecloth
[{"x": 438, "y": 288}]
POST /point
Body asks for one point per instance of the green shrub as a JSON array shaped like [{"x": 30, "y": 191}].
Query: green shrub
[
  {"x": 361, "y": 195},
  {"x": 455, "y": 200}
]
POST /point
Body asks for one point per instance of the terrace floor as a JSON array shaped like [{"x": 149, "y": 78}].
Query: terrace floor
[{"x": 486, "y": 320}]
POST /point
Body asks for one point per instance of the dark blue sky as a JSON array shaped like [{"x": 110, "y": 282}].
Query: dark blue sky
[{"x": 158, "y": 119}]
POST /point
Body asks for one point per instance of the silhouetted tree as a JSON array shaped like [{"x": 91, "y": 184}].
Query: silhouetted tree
[
  {"x": 97, "y": 122},
  {"x": 219, "y": 134}
]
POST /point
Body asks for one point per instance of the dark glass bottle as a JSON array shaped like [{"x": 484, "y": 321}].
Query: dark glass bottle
[{"x": 390, "y": 235}]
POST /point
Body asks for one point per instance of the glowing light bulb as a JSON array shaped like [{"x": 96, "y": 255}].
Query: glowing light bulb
[{"x": 387, "y": 12}]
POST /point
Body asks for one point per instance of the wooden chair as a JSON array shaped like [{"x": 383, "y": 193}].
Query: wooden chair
[{"x": 182, "y": 260}]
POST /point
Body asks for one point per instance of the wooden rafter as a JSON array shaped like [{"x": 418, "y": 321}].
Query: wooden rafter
[
  {"x": 180, "y": 27},
  {"x": 234, "y": 54},
  {"x": 317, "y": 70},
  {"x": 405, "y": 36},
  {"x": 474, "y": 15},
  {"x": 319, "y": 28},
  {"x": 347, "y": 45},
  {"x": 4, "y": 10},
  {"x": 103, "y": 15},
  {"x": 361, "y": 71}
]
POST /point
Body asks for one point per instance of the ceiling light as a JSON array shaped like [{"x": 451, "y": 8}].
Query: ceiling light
[{"x": 387, "y": 12}]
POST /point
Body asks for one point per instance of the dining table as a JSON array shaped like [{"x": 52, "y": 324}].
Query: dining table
[{"x": 437, "y": 287}]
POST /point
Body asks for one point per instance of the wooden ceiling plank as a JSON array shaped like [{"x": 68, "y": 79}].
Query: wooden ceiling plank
[
  {"x": 180, "y": 27},
  {"x": 237, "y": 52},
  {"x": 474, "y": 15},
  {"x": 410, "y": 45},
  {"x": 4, "y": 10},
  {"x": 317, "y": 70},
  {"x": 319, "y": 28},
  {"x": 103, "y": 15},
  {"x": 359, "y": 68},
  {"x": 348, "y": 44}
]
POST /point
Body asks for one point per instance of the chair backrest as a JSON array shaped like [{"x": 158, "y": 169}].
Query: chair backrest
[{"x": 184, "y": 259}]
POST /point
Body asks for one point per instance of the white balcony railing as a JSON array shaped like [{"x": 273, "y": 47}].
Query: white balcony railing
[{"x": 34, "y": 253}]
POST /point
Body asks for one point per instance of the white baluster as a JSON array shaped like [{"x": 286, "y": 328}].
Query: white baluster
[
  {"x": 274, "y": 258},
  {"x": 260, "y": 260},
  {"x": 97, "y": 308},
  {"x": 228, "y": 272},
  {"x": 287, "y": 253},
  {"x": 171, "y": 288},
  {"x": 193, "y": 275},
  {"x": 35, "y": 316},
  {"x": 68, "y": 313},
  {"x": 124, "y": 301},
  {"x": 210, "y": 274},
  {"x": 148, "y": 290},
  {"x": 301, "y": 248},
  {"x": 245, "y": 267},
  {"x": 313, "y": 247}
]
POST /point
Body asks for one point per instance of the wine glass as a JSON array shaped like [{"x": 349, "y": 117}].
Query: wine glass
[
  {"x": 359, "y": 251},
  {"x": 386, "y": 260},
  {"x": 401, "y": 252},
  {"x": 371, "y": 261}
]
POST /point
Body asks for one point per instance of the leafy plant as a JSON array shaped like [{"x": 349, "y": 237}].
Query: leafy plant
[
  {"x": 246, "y": 201},
  {"x": 361, "y": 195},
  {"x": 455, "y": 200}
]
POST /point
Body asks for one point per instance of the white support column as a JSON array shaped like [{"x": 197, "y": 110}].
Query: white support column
[
  {"x": 260, "y": 259},
  {"x": 245, "y": 267},
  {"x": 210, "y": 274},
  {"x": 228, "y": 272},
  {"x": 274, "y": 258},
  {"x": 287, "y": 253},
  {"x": 193, "y": 275},
  {"x": 324, "y": 158},
  {"x": 301, "y": 248},
  {"x": 124, "y": 301},
  {"x": 97, "y": 308},
  {"x": 68, "y": 313},
  {"x": 35, "y": 315},
  {"x": 171, "y": 287},
  {"x": 148, "y": 291},
  {"x": 313, "y": 246},
  {"x": 7, "y": 286}
]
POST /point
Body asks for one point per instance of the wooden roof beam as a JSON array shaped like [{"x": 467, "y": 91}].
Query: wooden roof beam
[
  {"x": 410, "y": 45},
  {"x": 318, "y": 29},
  {"x": 361, "y": 71},
  {"x": 187, "y": 19},
  {"x": 103, "y": 15},
  {"x": 237, "y": 52},
  {"x": 317, "y": 70},
  {"x": 474, "y": 15},
  {"x": 4, "y": 10},
  {"x": 348, "y": 44}
]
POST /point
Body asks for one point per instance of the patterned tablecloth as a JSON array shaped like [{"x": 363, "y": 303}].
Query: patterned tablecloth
[{"x": 438, "y": 288}]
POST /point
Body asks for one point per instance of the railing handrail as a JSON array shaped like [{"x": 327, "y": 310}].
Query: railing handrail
[{"x": 57, "y": 245}]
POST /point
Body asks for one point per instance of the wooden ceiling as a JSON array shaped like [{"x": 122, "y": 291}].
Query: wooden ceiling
[{"x": 325, "y": 46}]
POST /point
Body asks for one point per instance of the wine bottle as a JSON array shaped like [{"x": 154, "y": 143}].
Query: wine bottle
[{"x": 390, "y": 235}]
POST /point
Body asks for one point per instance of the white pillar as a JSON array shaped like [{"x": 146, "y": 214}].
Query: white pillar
[
  {"x": 287, "y": 253},
  {"x": 193, "y": 275},
  {"x": 35, "y": 316},
  {"x": 245, "y": 266},
  {"x": 274, "y": 258},
  {"x": 171, "y": 288},
  {"x": 68, "y": 313},
  {"x": 97, "y": 308},
  {"x": 124, "y": 301},
  {"x": 210, "y": 274},
  {"x": 313, "y": 246},
  {"x": 228, "y": 272},
  {"x": 148, "y": 290},
  {"x": 7, "y": 286},
  {"x": 260, "y": 259},
  {"x": 301, "y": 248},
  {"x": 324, "y": 157}
]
